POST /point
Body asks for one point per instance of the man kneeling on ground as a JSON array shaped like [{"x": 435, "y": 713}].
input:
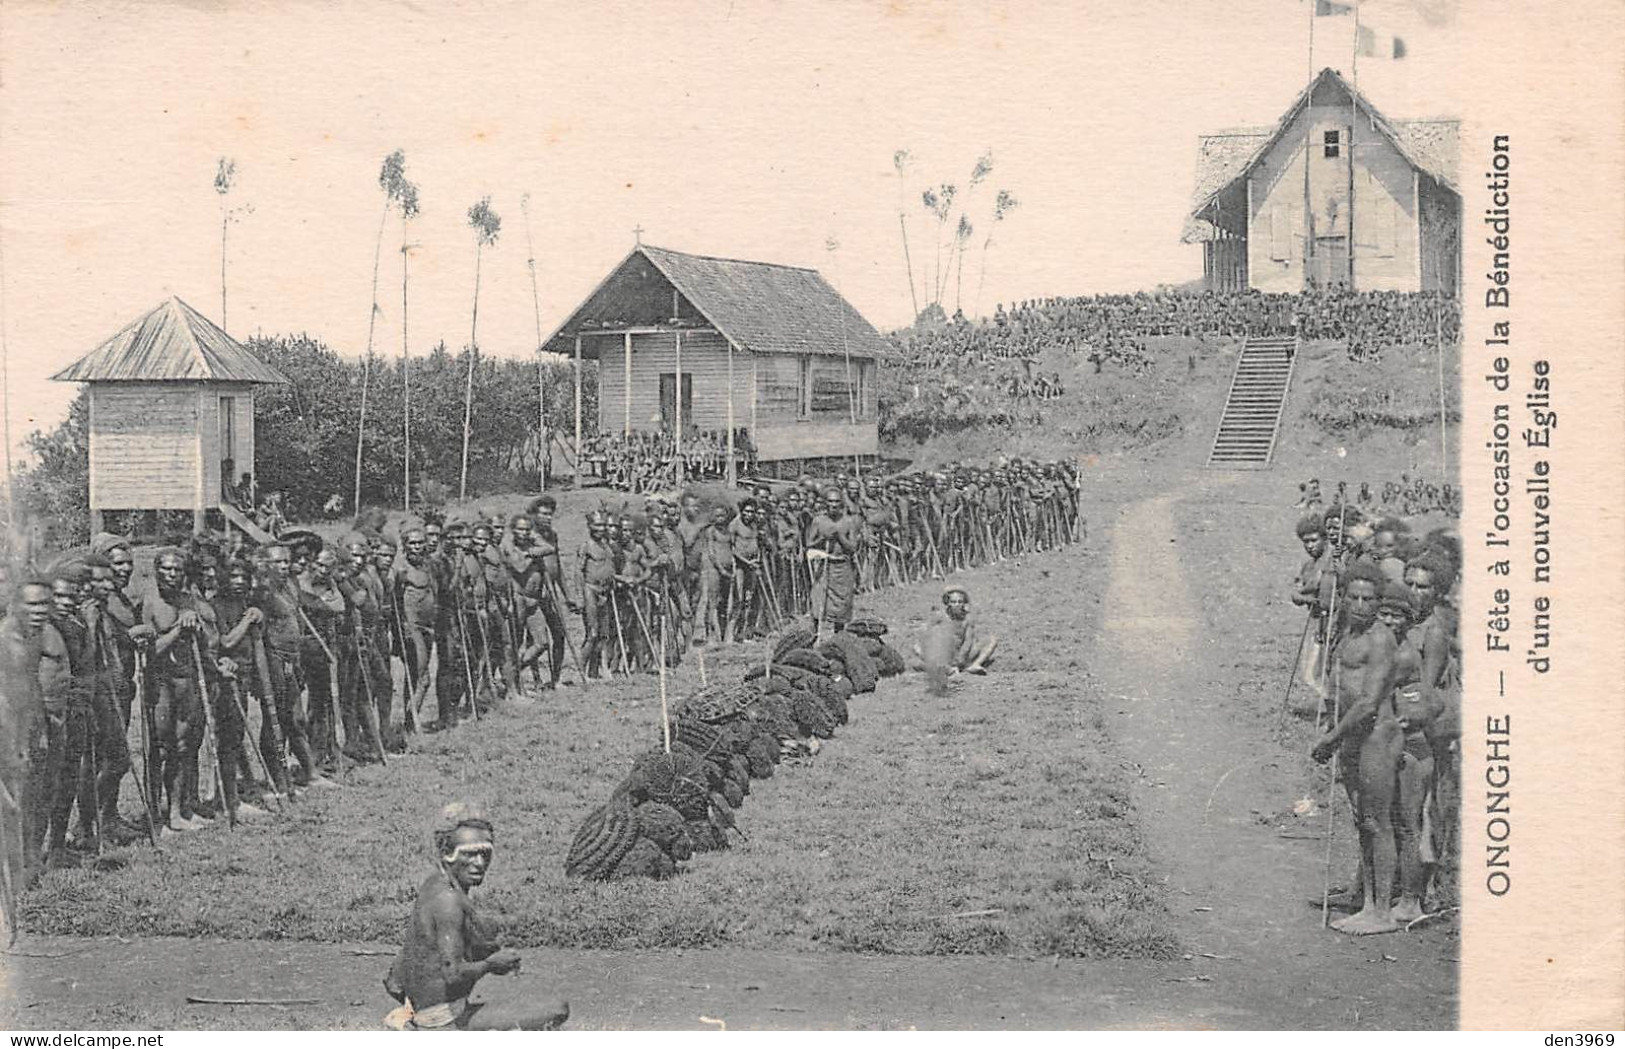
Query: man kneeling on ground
[
  {"x": 449, "y": 946},
  {"x": 956, "y": 643}
]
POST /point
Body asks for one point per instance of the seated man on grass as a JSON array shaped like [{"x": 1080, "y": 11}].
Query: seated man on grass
[
  {"x": 449, "y": 946},
  {"x": 954, "y": 644}
]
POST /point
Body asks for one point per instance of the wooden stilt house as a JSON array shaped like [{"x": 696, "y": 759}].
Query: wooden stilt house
[
  {"x": 766, "y": 352},
  {"x": 171, "y": 415}
]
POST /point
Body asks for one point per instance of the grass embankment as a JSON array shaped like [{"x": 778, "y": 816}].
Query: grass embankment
[
  {"x": 1113, "y": 412},
  {"x": 1007, "y": 798},
  {"x": 1382, "y": 415}
]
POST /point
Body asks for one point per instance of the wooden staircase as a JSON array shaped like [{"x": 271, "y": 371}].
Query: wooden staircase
[{"x": 1245, "y": 439}]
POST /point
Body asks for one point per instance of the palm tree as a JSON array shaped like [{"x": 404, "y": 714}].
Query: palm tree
[
  {"x": 899, "y": 162},
  {"x": 1003, "y": 204},
  {"x": 390, "y": 179},
  {"x": 404, "y": 193},
  {"x": 486, "y": 224},
  {"x": 225, "y": 176},
  {"x": 940, "y": 203},
  {"x": 541, "y": 368},
  {"x": 961, "y": 238}
]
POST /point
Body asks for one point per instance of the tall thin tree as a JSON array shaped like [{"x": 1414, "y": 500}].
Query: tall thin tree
[
  {"x": 486, "y": 224},
  {"x": 390, "y": 178},
  {"x": 900, "y": 161},
  {"x": 225, "y": 176},
  {"x": 940, "y": 202},
  {"x": 1003, "y": 204},
  {"x": 408, "y": 202},
  {"x": 541, "y": 368},
  {"x": 963, "y": 228},
  {"x": 962, "y": 236}
]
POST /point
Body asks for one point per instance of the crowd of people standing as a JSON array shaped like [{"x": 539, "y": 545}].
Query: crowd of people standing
[
  {"x": 1381, "y": 653},
  {"x": 238, "y": 676}
]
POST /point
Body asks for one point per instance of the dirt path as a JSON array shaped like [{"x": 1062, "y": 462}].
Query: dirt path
[
  {"x": 103, "y": 984},
  {"x": 1191, "y": 713}
]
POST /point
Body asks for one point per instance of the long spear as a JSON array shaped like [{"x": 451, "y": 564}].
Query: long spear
[{"x": 1330, "y": 668}]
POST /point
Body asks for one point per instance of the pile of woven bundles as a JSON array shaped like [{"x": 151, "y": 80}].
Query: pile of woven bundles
[{"x": 675, "y": 804}]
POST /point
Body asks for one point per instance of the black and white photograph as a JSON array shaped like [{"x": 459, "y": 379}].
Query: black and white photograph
[{"x": 728, "y": 516}]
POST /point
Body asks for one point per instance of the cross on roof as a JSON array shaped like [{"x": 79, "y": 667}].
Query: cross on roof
[{"x": 637, "y": 232}]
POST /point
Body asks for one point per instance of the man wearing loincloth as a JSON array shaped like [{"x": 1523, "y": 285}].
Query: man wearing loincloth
[
  {"x": 833, "y": 538},
  {"x": 449, "y": 946},
  {"x": 1362, "y": 684}
]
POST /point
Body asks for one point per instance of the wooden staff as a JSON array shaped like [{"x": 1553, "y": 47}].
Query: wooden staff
[
  {"x": 559, "y": 606},
  {"x": 364, "y": 668},
  {"x": 209, "y": 739},
  {"x": 8, "y": 890},
  {"x": 333, "y": 686},
  {"x": 665, "y": 715},
  {"x": 144, "y": 738},
  {"x": 468, "y": 671},
  {"x": 1292, "y": 674},
  {"x": 1330, "y": 670},
  {"x": 252, "y": 745},
  {"x": 620, "y": 635}
]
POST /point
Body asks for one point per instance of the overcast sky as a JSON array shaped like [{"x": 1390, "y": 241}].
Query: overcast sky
[{"x": 739, "y": 129}]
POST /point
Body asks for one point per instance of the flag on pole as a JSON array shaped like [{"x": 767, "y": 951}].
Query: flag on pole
[
  {"x": 1373, "y": 43},
  {"x": 1331, "y": 9}
]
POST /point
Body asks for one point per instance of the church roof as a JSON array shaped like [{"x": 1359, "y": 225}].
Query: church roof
[
  {"x": 1432, "y": 146},
  {"x": 170, "y": 343}
]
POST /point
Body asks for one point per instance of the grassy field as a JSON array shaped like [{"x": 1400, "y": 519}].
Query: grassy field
[{"x": 1006, "y": 798}]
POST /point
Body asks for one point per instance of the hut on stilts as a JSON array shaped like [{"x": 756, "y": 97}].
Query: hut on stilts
[
  {"x": 762, "y": 353},
  {"x": 171, "y": 416}
]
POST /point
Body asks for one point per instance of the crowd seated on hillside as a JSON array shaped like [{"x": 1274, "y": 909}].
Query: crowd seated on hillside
[
  {"x": 647, "y": 461},
  {"x": 1114, "y": 328}
]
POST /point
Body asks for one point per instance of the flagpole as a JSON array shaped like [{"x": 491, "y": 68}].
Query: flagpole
[
  {"x": 1354, "y": 118},
  {"x": 1308, "y": 152}
]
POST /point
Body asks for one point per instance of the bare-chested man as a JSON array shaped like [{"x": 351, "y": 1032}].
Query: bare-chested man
[
  {"x": 182, "y": 638},
  {"x": 531, "y": 557},
  {"x": 24, "y": 744},
  {"x": 449, "y": 946},
  {"x": 716, "y": 575},
  {"x": 955, "y": 644},
  {"x": 415, "y": 589},
  {"x": 1413, "y": 759},
  {"x": 1362, "y": 685},
  {"x": 1429, "y": 575},
  {"x": 595, "y": 570}
]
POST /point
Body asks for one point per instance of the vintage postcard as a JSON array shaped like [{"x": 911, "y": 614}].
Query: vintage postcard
[{"x": 812, "y": 516}]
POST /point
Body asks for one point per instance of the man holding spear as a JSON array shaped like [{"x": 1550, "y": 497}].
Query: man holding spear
[
  {"x": 110, "y": 750},
  {"x": 283, "y": 635},
  {"x": 181, "y": 636},
  {"x": 415, "y": 593}
]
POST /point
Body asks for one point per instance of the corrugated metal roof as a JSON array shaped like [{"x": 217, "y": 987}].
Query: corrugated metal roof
[
  {"x": 172, "y": 343},
  {"x": 1433, "y": 146},
  {"x": 760, "y": 307}
]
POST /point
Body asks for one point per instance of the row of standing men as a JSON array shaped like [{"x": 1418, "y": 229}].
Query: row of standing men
[{"x": 111, "y": 678}]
